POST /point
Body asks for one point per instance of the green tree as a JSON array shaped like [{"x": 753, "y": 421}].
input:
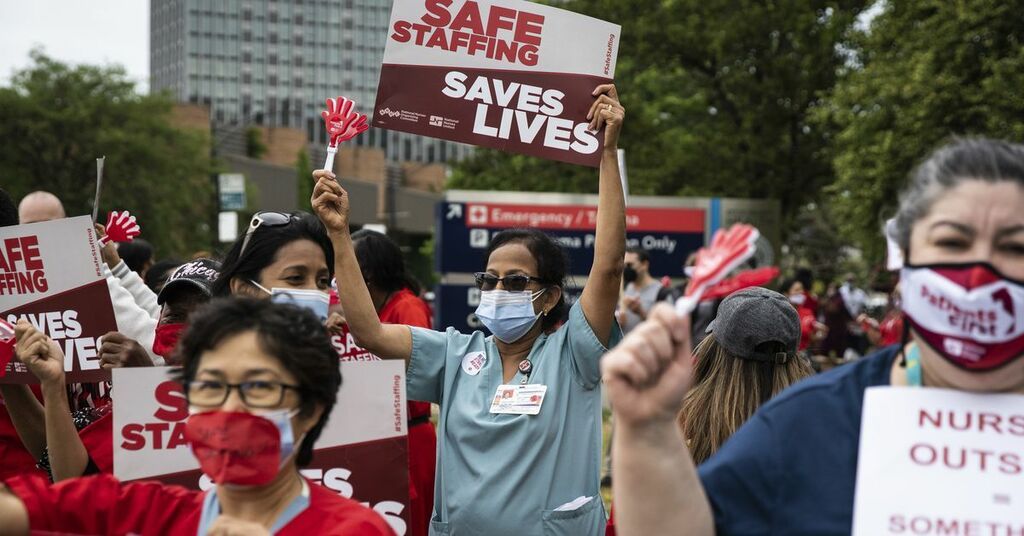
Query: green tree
[
  {"x": 718, "y": 98},
  {"x": 925, "y": 70},
  {"x": 55, "y": 120}
]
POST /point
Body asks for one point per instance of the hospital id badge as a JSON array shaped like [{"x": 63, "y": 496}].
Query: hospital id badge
[{"x": 518, "y": 399}]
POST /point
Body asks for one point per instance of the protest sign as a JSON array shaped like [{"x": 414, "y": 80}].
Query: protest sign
[
  {"x": 50, "y": 275},
  {"x": 496, "y": 74},
  {"x": 936, "y": 461},
  {"x": 362, "y": 452}
]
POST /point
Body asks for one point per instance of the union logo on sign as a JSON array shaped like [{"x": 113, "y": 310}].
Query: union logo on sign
[{"x": 477, "y": 215}]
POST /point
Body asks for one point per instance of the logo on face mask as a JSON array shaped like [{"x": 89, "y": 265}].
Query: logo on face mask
[
  {"x": 968, "y": 313},
  {"x": 509, "y": 315}
]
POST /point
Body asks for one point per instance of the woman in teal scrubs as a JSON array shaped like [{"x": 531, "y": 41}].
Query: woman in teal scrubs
[{"x": 520, "y": 425}]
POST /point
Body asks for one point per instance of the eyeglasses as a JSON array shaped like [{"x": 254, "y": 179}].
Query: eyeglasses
[
  {"x": 265, "y": 219},
  {"x": 255, "y": 394},
  {"x": 512, "y": 283}
]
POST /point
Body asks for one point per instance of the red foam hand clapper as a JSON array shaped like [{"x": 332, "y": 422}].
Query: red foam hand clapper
[
  {"x": 122, "y": 227},
  {"x": 342, "y": 121},
  {"x": 7, "y": 343},
  {"x": 728, "y": 250}
]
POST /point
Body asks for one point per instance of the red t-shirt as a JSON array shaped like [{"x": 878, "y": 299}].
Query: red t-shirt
[
  {"x": 101, "y": 504},
  {"x": 14, "y": 459}
]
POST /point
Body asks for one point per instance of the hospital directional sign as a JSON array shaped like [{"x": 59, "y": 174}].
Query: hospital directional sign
[{"x": 468, "y": 220}]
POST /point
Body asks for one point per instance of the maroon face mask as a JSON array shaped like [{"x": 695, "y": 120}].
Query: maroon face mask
[{"x": 969, "y": 313}]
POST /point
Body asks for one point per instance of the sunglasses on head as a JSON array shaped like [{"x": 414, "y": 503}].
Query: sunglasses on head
[
  {"x": 511, "y": 283},
  {"x": 265, "y": 219}
]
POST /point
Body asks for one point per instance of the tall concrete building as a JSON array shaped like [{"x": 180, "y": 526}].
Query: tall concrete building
[{"x": 273, "y": 63}]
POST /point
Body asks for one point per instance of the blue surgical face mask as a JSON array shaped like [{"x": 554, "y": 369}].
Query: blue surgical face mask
[
  {"x": 314, "y": 300},
  {"x": 509, "y": 315}
]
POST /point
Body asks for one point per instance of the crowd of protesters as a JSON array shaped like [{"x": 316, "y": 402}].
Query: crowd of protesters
[{"x": 721, "y": 423}]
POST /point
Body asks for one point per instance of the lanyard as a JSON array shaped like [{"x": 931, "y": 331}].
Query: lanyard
[{"x": 913, "y": 359}]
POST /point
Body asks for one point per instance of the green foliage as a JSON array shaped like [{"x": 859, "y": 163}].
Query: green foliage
[
  {"x": 718, "y": 97},
  {"x": 304, "y": 180},
  {"x": 55, "y": 120},
  {"x": 930, "y": 70},
  {"x": 254, "y": 147}
]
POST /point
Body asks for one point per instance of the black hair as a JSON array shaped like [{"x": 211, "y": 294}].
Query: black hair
[
  {"x": 641, "y": 254},
  {"x": 8, "y": 210},
  {"x": 806, "y": 277},
  {"x": 552, "y": 264},
  {"x": 157, "y": 274},
  {"x": 291, "y": 334},
  {"x": 963, "y": 159},
  {"x": 787, "y": 284},
  {"x": 135, "y": 254},
  {"x": 382, "y": 263},
  {"x": 264, "y": 245}
]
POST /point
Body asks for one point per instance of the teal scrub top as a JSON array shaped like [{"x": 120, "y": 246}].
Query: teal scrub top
[{"x": 501, "y": 474}]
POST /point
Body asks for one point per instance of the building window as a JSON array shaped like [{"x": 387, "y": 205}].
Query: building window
[
  {"x": 298, "y": 40},
  {"x": 272, "y": 80},
  {"x": 246, "y": 57},
  {"x": 246, "y": 36},
  {"x": 273, "y": 38},
  {"x": 272, "y": 59}
]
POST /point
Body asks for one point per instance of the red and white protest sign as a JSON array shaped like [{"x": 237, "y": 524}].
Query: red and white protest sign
[
  {"x": 362, "y": 452},
  {"x": 50, "y": 275},
  {"x": 345, "y": 344},
  {"x": 512, "y": 75},
  {"x": 937, "y": 461}
]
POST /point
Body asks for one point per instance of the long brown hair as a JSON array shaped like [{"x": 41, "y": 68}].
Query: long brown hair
[{"x": 726, "y": 392}]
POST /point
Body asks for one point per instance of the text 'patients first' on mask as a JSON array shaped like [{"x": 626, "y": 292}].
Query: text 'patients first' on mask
[
  {"x": 969, "y": 313},
  {"x": 508, "y": 315}
]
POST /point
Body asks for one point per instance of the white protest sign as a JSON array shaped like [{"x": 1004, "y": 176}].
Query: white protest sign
[
  {"x": 497, "y": 74},
  {"x": 936, "y": 461},
  {"x": 50, "y": 275},
  {"x": 362, "y": 452}
]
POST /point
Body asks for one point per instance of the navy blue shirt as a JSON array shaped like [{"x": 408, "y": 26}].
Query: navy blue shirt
[{"x": 792, "y": 468}]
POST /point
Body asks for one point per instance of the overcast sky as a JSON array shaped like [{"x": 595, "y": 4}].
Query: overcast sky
[{"x": 76, "y": 31}]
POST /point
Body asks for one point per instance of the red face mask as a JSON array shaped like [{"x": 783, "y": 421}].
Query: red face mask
[
  {"x": 235, "y": 447},
  {"x": 166, "y": 340},
  {"x": 969, "y": 313}
]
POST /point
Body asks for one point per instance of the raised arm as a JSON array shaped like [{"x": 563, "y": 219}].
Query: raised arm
[
  {"x": 601, "y": 293},
  {"x": 656, "y": 488},
  {"x": 68, "y": 457},
  {"x": 387, "y": 341}
]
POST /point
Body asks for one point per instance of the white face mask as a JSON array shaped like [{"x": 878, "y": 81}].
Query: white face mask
[
  {"x": 314, "y": 300},
  {"x": 798, "y": 299},
  {"x": 509, "y": 315}
]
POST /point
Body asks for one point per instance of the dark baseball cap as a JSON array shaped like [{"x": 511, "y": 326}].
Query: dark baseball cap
[
  {"x": 198, "y": 274},
  {"x": 754, "y": 316}
]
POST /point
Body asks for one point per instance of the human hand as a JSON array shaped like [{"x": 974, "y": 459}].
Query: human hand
[
  {"x": 118, "y": 351},
  {"x": 647, "y": 375},
  {"x": 335, "y": 324},
  {"x": 108, "y": 250},
  {"x": 39, "y": 353},
  {"x": 226, "y": 525},
  {"x": 607, "y": 112},
  {"x": 330, "y": 202}
]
